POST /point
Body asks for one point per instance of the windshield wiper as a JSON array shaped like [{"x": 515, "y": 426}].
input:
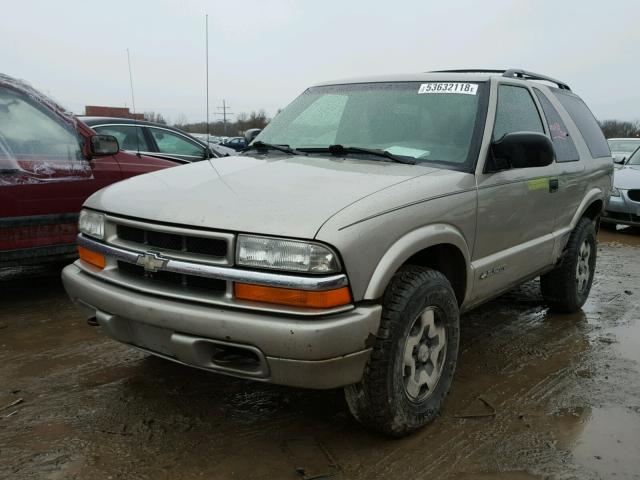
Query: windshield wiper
[
  {"x": 342, "y": 150},
  {"x": 270, "y": 146}
]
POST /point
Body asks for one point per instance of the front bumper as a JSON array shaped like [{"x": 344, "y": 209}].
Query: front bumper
[
  {"x": 622, "y": 210},
  {"x": 319, "y": 352}
]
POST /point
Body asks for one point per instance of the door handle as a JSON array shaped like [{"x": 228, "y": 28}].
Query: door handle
[{"x": 553, "y": 185}]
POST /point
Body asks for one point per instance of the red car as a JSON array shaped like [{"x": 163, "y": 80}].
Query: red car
[{"x": 49, "y": 164}]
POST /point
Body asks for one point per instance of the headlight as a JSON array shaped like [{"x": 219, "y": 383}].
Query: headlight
[
  {"x": 614, "y": 192},
  {"x": 281, "y": 254},
  {"x": 91, "y": 223}
]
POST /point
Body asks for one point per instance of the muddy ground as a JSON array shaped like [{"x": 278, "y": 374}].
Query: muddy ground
[{"x": 557, "y": 396}]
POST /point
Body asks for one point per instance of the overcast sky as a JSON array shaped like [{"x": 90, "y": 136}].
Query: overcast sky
[{"x": 264, "y": 53}]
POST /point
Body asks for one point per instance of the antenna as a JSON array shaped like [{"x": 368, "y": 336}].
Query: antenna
[
  {"x": 206, "y": 17},
  {"x": 224, "y": 114},
  {"x": 133, "y": 103}
]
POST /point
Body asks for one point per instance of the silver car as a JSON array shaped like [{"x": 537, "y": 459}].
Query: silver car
[
  {"x": 622, "y": 148},
  {"x": 624, "y": 202},
  {"x": 342, "y": 247}
]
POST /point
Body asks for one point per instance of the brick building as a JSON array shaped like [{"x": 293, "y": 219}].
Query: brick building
[{"x": 120, "y": 112}]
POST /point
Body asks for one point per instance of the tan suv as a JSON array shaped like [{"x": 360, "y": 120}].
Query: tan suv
[{"x": 340, "y": 250}]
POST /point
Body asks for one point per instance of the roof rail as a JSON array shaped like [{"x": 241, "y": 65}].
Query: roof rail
[{"x": 511, "y": 73}]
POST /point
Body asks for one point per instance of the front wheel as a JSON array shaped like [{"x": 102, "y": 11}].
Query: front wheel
[
  {"x": 566, "y": 288},
  {"x": 414, "y": 357}
]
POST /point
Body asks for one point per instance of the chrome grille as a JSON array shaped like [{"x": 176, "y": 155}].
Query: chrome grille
[
  {"x": 180, "y": 243},
  {"x": 171, "y": 241}
]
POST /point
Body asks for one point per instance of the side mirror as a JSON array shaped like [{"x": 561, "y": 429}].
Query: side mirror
[
  {"x": 522, "y": 150},
  {"x": 619, "y": 160},
  {"x": 104, "y": 145},
  {"x": 251, "y": 134}
]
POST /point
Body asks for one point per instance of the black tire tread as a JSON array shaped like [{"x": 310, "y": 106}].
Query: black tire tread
[
  {"x": 373, "y": 411},
  {"x": 557, "y": 286}
]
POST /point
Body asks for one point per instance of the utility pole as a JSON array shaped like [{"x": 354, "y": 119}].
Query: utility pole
[
  {"x": 206, "y": 47},
  {"x": 224, "y": 114}
]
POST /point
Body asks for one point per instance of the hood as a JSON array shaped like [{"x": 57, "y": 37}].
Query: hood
[
  {"x": 289, "y": 195},
  {"x": 627, "y": 177}
]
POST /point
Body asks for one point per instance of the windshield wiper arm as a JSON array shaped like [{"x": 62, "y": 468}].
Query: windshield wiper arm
[
  {"x": 271, "y": 146},
  {"x": 342, "y": 150}
]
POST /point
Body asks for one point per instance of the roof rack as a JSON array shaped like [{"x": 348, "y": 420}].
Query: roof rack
[{"x": 511, "y": 73}]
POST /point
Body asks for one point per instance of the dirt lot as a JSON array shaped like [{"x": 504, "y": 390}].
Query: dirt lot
[{"x": 535, "y": 396}]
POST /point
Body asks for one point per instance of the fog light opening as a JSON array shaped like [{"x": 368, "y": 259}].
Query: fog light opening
[{"x": 234, "y": 357}]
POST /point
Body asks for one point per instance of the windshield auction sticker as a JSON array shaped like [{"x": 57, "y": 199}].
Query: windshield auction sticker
[{"x": 449, "y": 87}]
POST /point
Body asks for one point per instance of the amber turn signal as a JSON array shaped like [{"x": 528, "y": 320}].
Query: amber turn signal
[
  {"x": 91, "y": 257},
  {"x": 294, "y": 298}
]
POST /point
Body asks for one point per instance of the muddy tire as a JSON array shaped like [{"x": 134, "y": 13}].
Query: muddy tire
[
  {"x": 414, "y": 357},
  {"x": 566, "y": 288}
]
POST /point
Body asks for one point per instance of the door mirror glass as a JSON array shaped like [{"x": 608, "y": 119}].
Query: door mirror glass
[
  {"x": 104, "y": 145},
  {"x": 522, "y": 150}
]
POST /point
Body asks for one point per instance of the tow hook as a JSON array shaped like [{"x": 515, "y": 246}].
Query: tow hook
[{"x": 92, "y": 322}]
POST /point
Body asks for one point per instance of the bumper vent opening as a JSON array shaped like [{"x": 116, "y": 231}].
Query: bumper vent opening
[{"x": 191, "y": 281}]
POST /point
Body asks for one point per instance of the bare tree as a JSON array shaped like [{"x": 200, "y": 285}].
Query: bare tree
[
  {"x": 620, "y": 129},
  {"x": 243, "y": 122},
  {"x": 155, "y": 117}
]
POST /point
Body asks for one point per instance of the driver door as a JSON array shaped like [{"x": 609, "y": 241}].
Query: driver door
[{"x": 516, "y": 206}]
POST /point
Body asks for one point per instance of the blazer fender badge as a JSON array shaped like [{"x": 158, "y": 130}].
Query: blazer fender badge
[{"x": 492, "y": 271}]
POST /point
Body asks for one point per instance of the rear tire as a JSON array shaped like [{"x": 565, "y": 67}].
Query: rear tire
[
  {"x": 566, "y": 288},
  {"x": 414, "y": 357}
]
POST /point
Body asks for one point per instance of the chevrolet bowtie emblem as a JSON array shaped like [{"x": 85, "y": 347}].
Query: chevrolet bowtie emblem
[{"x": 151, "y": 261}]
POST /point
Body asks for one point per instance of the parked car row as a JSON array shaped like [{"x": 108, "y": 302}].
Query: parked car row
[
  {"x": 157, "y": 139},
  {"x": 51, "y": 161}
]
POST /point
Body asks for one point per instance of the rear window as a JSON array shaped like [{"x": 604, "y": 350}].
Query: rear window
[
  {"x": 563, "y": 144},
  {"x": 586, "y": 123}
]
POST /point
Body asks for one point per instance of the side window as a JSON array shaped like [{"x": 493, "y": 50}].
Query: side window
[
  {"x": 586, "y": 123},
  {"x": 516, "y": 112},
  {"x": 29, "y": 132},
  {"x": 172, "y": 143},
  {"x": 563, "y": 144},
  {"x": 129, "y": 137}
]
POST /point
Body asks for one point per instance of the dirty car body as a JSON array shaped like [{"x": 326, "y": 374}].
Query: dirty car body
[
  {"x": 280, "y": 264},
  {"x": 47, "y": 170}
]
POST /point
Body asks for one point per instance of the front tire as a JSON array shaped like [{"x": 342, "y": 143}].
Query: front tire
[
  {"x": 566, "y": 288},
  {"x": 414, "y": 357}
]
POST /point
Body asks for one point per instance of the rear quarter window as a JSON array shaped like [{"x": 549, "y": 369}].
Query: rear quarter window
[
  {"x": 586, "y": 123},
  {"x": 563, "y": 144}
]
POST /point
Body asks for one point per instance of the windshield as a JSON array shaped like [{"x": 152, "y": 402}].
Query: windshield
[
  {"x": 425, "y": 121},
  {"x": 627, "y": 146},
  {"x": 635, "y": 158}
]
